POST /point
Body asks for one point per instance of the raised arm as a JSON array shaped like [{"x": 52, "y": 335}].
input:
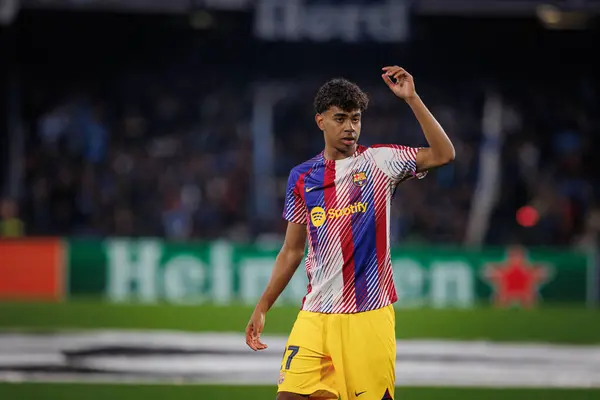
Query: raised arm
[
  {"x": 286, "y": 263},
  {"x": 440, "y": 150}
]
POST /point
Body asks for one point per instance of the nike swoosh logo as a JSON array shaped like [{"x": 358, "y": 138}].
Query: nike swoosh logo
[
  {"x": 311, "y": 189},
  {"x": 359, "y": 393}
]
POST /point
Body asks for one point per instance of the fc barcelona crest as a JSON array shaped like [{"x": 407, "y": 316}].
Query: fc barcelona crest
[{"x": 359, "y": 179}]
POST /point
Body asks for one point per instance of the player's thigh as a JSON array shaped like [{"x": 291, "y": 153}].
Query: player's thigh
[
  {"x": 305, "y": 368},
  {"x": 370, "y": 362}
]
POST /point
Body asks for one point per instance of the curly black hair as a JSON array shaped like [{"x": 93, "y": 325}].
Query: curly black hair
[{"x": 340, "y": 93}]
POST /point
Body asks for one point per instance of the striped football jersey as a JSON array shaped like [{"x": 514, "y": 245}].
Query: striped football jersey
[{"x": 345, "y": 205}]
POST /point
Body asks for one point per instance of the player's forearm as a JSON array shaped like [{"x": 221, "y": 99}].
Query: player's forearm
[
  {"x": 286, "y": 264},
  {"x": 439, "y": 143}
]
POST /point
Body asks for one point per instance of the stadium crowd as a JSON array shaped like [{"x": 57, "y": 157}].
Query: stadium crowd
[
  {"x": 175, "y": 163},
  {"x": 165, "y": 149}
]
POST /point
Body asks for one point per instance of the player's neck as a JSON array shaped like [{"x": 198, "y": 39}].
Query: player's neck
[{"x": 333, "y": 154}]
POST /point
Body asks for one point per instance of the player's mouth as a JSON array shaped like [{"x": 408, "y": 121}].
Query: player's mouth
[{"x": 349, "y": 141}]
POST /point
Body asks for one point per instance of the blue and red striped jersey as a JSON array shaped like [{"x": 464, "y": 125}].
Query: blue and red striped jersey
[{"x": 345, "y": 205}]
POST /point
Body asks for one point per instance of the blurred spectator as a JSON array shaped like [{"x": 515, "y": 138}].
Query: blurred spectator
[
  {"x": 159, "y": 143},
  {"x": 11, "y": 226},
  {"x": 169, "y": 173}
]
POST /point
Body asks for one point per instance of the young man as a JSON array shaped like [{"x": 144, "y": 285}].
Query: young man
[{"x": 343, "y": 343}]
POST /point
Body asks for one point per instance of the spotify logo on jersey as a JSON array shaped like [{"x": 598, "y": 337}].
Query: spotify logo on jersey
[{"x": 317, "y": 216}]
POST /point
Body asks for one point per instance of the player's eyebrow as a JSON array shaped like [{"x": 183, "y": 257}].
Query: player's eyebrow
[{"x": 343, "y": 114}]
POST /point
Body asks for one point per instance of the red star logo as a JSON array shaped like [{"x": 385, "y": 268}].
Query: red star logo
[{"x": 516, "y": 281}]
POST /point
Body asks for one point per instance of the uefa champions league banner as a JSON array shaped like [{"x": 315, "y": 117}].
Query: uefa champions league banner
[{"x": 149, "y": 271}]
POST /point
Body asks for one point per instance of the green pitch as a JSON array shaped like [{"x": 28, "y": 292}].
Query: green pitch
[
  {"x": 124, "y": 392},
  {"x": 557, "y": 324}
]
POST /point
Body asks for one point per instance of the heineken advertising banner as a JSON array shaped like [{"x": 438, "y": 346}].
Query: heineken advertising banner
[{"x": 194, "y": 273}]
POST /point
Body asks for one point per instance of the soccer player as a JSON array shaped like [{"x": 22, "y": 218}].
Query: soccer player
[{"x": 343, "y": 343}]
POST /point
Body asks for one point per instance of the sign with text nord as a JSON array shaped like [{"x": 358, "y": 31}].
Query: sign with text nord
[{"x": 382, "y": 21}]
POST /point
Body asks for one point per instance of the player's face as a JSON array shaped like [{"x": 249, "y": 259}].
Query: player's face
[{"x": 341, "y": 128}]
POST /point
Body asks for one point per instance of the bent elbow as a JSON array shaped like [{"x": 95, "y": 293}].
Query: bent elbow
[{"x": 446, "y": 158}]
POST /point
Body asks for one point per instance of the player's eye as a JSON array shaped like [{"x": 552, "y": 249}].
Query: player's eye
[
  {"x": 356, "y": 120},
  {"x": 339, "y": 119}
]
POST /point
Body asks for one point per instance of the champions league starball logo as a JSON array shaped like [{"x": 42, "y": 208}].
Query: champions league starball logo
[{"x": 516, "y": 280}]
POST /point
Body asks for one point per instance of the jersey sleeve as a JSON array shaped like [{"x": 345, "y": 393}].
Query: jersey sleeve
[
  {"x": 398, "y": 162},
  {"x": 294, "y": 208}
]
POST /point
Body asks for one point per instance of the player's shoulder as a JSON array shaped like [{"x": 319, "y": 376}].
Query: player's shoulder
[
  {"x": 305, "y": 167},
  {"x": 382, "y": 146},
  {"x": 390, "y": 150}
]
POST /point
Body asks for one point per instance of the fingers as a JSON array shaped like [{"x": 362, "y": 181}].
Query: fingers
[
  {"x": 393, "y": 70},
  {"x": 256, "y": 344},
  {"x": 260, "y": 345},
  {"x": 250, "y": 336},
  {"x": 253, "y": 338},
  {"x": 386, "y": 78},
  {"x": 397, "y": 73}
]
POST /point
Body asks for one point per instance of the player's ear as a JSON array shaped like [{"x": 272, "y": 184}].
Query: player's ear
[{"x": 319, "y": 119}]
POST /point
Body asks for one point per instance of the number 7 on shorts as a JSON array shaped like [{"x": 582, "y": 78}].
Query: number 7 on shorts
[{"x": 293, "y": 351}]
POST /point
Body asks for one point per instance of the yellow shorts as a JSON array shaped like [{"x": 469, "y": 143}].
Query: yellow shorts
[{"x": 352, "y": 356}]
